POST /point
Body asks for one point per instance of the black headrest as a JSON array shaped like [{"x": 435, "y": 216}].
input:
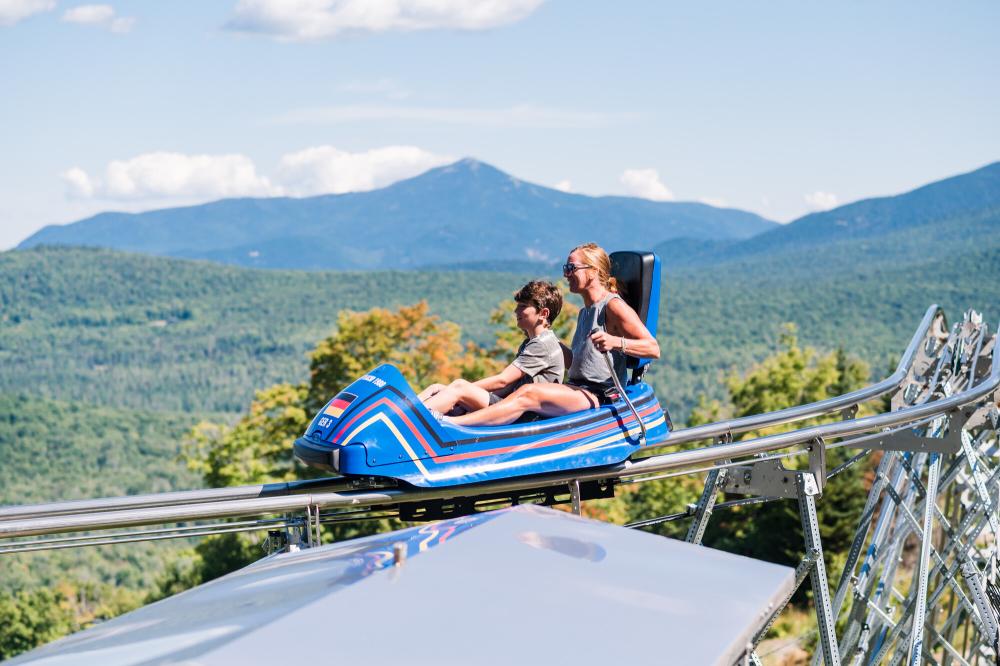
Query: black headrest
[{"x": 638, "y": 277}]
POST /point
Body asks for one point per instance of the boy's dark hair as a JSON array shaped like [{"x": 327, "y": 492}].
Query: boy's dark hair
[{"x": 541, "y": 294}]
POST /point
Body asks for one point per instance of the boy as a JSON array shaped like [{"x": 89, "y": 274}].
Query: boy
[{"x": 539, "y": 359}]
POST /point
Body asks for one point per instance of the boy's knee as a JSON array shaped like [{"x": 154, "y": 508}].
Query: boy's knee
[
  {"x": 459, "y": 383},
  {"x": 527, "y": 394}
]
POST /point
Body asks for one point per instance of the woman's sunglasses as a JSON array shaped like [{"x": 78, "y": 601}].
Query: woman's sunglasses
[{"x": 569, "y": 269}]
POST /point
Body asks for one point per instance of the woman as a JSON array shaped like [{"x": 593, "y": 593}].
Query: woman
[{"x": 620, "y": 331}]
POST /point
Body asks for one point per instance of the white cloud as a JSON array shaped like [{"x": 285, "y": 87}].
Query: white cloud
[
  {"x": 79, "y": 182},
  {"x": 714, "y": 201},
  {"x": 646, "y": 184},
  {"x": 89, "y": 14},
  {"x": 102, "y": 16},
  {"x": 122, "y": 25},
  {"x": 13, "y": 11},
  {"x": 387, "y": 88},
  {"x": 302, "y": 20},
  {"x": 174, "y": 177},
  {"x": 517, "y": 116},
  {"x": 820, "y": 200},
  {"x": 565, "y": 185},
  {"x": 325, "y": 169},
  {"x": 535, "y": 254}
]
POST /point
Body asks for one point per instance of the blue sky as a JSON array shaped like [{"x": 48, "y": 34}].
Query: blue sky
[{"x": 779, "y": 107}]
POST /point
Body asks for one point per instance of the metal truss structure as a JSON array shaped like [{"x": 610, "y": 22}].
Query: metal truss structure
[{"x": 933, "y": 503}]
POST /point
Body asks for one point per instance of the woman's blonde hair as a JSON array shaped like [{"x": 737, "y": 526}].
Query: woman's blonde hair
[{"x": 596, "y": 257}]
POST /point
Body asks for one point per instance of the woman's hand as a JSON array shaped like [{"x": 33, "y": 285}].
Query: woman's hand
[{"x": 605, "y": 342}]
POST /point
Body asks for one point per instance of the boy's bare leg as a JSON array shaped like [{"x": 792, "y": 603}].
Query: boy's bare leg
[
  {"x": 431, "y": 390},
  {"x": 546, "y": 399},
  {"x": 459, "y": 392}
]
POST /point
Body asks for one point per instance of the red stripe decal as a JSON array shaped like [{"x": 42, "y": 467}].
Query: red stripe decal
[
  {"x": 416, "y": 433},
  {"x": 391, "y": 405},
  {"x": 618, "y": 423},
  {"x": 356, "y": 417},
  {"x": 448, "y": 533},
  {"x": 545, "y": 442}
]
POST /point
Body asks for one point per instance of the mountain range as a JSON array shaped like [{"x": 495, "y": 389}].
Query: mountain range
[
  {"x": 468, "y": 211},
  {"x": 472, "y": 216},
  {"x": 954, "y": 214}
]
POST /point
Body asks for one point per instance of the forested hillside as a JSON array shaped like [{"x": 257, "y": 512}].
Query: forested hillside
[
  {"x": 53, "y": 450},
  {"x": 102, "y": 327},
  {"x": 72, "y": 450},
  {"x": 128, "y": 330}
]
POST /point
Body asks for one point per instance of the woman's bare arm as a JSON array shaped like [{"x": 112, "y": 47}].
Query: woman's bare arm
[{"x": 623, "y": 322}]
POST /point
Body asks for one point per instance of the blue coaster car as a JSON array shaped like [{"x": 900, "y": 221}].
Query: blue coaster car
[{"x": 378, "y": 427}]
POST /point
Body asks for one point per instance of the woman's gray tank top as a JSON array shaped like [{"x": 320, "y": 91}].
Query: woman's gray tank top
[{"x": 589, "y": 366}]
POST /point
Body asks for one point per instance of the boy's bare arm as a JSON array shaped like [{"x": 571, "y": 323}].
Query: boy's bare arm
[{"x": 509, "y": 375}]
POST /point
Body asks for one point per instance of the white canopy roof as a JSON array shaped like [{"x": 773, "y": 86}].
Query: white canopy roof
[{"x": 522, "y": 585}]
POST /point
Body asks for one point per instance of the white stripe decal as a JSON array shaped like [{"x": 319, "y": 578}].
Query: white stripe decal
[
  {"x": 392, "y": 428},
  {"x": 463, "y": 471}
]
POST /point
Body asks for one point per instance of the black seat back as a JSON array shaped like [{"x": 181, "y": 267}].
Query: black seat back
[{"x": 638, "y": 277}]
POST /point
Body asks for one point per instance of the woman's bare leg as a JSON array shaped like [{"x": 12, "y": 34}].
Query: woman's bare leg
[
  {"x": 459, "y": 392},
  {"x": 546, "y": 399}
]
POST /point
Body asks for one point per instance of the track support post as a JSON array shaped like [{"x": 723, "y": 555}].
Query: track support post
[
  {"x": 920, "y": 613},
  {"x": 703, "y": 510},
  {"x": 714, "y": 482},
  {"x": 817, "y": 574},
  {"x": 574, "y": 493}
]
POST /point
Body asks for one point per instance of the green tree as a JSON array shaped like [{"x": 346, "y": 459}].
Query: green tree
[
  {"x": 662, "y": 498},
  {"x": 424, "y": 348},
  {"x": 792, "y": 376},
  {"x": 32, "y": 618},
  {"x": 258, "y": 448},
  {"x": 182, "y": 572}
]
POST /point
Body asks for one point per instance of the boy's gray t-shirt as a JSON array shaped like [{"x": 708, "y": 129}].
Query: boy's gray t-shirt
[{"x": 540, "y": 359}]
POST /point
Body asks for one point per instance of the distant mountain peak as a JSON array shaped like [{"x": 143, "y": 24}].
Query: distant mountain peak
[
  {"x": 470, "y": 169},
  {"x": 470, "y": 163}
]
